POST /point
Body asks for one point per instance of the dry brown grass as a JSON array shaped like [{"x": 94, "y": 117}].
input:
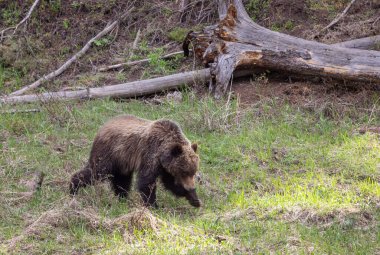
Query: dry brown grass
[{"x": 140, "y": 219}]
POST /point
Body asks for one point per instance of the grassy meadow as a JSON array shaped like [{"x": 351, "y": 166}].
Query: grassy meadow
[{"x": 274, "y": 179}]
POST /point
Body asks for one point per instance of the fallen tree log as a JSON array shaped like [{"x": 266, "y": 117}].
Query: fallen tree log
[
  {"x": 125, "y": 90},
  {"x": 236, "y": 42}
]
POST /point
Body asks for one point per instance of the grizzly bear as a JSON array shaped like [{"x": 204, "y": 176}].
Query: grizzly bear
[{"x": 152, "y": 149}]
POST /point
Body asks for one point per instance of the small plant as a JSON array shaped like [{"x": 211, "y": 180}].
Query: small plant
[
  {"x": 55, "y": 6},
  {"x": 102, "y": 42},
  {"x": 257, "y": 8},
  {"x": 66, "y": 24},
  {"x": 144, "y": 48},
  {"x": 76, "y": 4},
  {"x": 178, "y": 34},
  {"x": 289, "y": 25},
  {"x": 158, "y": 64},
  {"x": 275, "y": 27}
]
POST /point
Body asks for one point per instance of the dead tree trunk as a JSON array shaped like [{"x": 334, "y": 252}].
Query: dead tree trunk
[
  {"x": 236, "y": 42},
  {"x": 125, "y": 90}
]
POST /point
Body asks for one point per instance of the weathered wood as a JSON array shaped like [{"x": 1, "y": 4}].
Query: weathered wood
[
  {"x": 237, "y": 42},
  {"x": 130, "y": 89},
  {"x": 362, "y": 43}
]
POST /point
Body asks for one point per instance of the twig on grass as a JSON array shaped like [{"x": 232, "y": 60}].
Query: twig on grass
[
  {"x": 33, "y": 185},
  {"x": 20, "y": 111}
]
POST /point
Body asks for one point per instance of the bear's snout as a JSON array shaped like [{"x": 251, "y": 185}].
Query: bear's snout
[
  {"x": 193, "y": 199},
  {"x": 188, "y": 183}
]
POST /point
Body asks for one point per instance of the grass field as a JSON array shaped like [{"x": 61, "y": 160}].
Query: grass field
[{"x": 274, "y": 179}]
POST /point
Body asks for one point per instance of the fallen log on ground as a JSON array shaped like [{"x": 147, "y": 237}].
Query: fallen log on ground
[
  {"x": 236, "y": 42},
  {"x": 130, "y": 89}
]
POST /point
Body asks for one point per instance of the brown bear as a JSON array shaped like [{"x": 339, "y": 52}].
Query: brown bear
[{"x": 127, "y": 144}]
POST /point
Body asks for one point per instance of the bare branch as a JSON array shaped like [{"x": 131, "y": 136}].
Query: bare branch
[
  {"x": 136, "y": 41},
  {"x": 69, "y": 62}
]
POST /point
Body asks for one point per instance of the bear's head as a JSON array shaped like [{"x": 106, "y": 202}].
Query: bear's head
[{"x": 182, "y": 162}]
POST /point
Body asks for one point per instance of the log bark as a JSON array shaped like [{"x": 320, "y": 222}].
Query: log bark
[
  {"x": 130, "y": 89},
  {"x": 236, "y": 42}
]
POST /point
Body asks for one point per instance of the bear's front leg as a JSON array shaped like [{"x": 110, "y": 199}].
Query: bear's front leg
[
  {"x": 193, "y": 199},
  {"x": 147, "y": 189}
]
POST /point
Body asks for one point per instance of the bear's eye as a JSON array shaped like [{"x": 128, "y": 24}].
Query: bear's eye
[{"x": 176, "y": 150}]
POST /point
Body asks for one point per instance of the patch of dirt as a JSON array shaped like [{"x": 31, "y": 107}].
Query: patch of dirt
[
  {"x": 302, "y": 18},
  {"x": 292, "y": 12},
  {"x": 332, "y": 99}
]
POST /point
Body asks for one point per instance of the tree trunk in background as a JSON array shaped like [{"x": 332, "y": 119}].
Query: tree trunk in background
[{"x": 236, "y": 42}]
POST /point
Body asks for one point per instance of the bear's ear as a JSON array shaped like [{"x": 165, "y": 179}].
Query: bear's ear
[
  {"x": 194, "y": 146},
  {"x": 176, "y": 150}
]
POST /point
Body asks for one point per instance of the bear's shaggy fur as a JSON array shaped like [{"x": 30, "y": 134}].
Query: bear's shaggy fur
[{"x": 151, "y": 149}]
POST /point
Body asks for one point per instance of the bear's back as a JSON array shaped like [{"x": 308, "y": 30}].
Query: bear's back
[{"x": 123, "y": 125}]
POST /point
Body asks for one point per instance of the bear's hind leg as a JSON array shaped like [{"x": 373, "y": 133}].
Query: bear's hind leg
[{"x": 121, "y": 184}]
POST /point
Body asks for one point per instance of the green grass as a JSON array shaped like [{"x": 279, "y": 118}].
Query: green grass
[
  {"x": 11, "y": 14},
  {"x": 274, "y": 179}
]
